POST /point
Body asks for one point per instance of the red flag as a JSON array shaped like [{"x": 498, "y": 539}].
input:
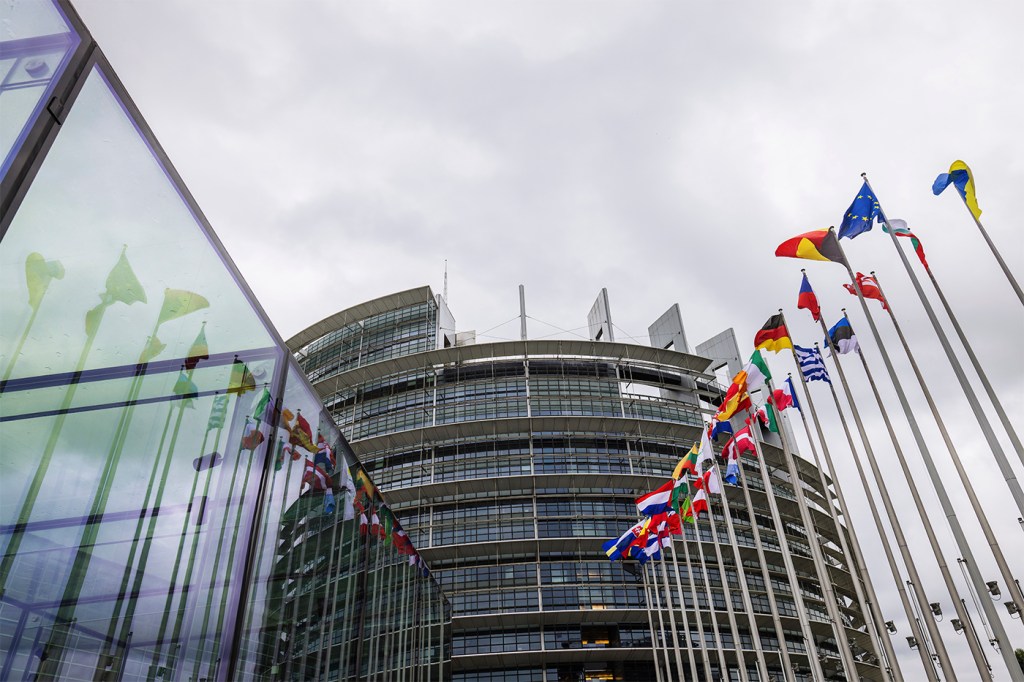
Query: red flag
[
  {"x": 742, "y": 442},
  {"x": 868, "y": 287}
]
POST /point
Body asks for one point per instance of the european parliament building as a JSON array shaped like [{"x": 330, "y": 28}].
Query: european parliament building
[
  {"x": 175, "y": 502},
  {"x": 510, "y": 463}
]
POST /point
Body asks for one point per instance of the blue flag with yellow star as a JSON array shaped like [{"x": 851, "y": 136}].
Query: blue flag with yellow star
[{"x": 861, "y": 214}]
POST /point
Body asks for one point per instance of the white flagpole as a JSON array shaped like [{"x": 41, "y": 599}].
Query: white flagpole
[
  {"x": 691, "y": 657},
  {"x": 831, "y": 602},
  {"x": 979, "y": 512},
  {"x": 995, "y": 251},
  {"x": 672, "y": 618},
  {"x": 901, "y": 541},
  {"x": 705, "y": 659},
  {"x": 866, "y": 596}
]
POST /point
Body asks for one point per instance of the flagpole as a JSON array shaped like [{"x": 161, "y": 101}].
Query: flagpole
[
  {"x": 1000, "y": 458},
  {"x": 992, "y": 396},
  {"x": 831, "y": 602},
  {"x": 691, "y": 657},
  {"x": 992, "y": 246},
  {"x": 706, "y": 579},
  {"x": 787, "y": 556},
  {"x": 705, "y": 659},
  {"x": 726, "y": 590},
  {"x": 961, "y": 539},
  {"x": 851, "y": 550},
  {"x": 901, "y": 541},
  {"x": 672, "y": 619},
  {"x": 650, "y": 619},
  {"x": 741, "y": 575},
  {"x": 780, "y": 633},
  {"x": 979, "y": 512}
]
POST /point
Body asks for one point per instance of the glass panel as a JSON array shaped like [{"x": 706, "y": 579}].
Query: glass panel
[
  {"x": 133, "y": 410},
  {"x": 35, "y": 46}
]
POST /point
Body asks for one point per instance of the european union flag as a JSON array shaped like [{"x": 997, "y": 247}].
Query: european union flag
[{"x": 861, "y": 214}]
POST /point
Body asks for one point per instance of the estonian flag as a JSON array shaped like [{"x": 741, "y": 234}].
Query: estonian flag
[{"x": 843, "y": 338}]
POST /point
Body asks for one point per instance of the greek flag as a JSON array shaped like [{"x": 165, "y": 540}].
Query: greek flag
[{"x": 811, "y": 364}]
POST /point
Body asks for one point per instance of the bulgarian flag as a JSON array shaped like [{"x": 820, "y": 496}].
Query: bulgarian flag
[{"x": 899, "y": 227}]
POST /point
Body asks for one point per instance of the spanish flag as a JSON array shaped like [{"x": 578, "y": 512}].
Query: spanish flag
[{"x": 816, "y": 245}]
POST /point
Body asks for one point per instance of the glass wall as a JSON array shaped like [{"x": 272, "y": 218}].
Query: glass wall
[{"x": 174, "y": 501}]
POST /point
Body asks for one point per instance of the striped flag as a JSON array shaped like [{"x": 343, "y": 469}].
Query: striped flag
[{"x": 812, "y": 365}]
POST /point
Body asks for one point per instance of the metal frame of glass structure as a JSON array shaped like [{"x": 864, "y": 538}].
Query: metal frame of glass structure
[{"x": 166, "y": 510}]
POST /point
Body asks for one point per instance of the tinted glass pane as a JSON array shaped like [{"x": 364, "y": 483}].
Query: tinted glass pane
[{"x": 35, "y": 44}]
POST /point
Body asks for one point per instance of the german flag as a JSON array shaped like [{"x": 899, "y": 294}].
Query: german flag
[
  {"x": 773, "y": 335},
  {"x": 816, "y": 245}
]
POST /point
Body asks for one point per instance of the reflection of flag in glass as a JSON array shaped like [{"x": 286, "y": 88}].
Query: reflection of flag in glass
[
  {"x": 199, "y": 349},
  {"x": 38, "y": 274},
  {"x": 253, "y": 437},
  {"x": 217, "y": 413},
  {"x": 122, "y": 286},
  {"x": 315, "y": 477},
  {"x": 178, "y": 303},
  {"x": 153, "y": 348},
  {"x": 187, "y": 389},
  {"x": 261, "y": 408},
  {"x": 302, "y": 435},
  {"x": 241, "y": 380}
]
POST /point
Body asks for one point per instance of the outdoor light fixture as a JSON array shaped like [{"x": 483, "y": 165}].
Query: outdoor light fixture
[
  {"x": 957, "y": 625},
  {"x": 993, "y": 588},
  {"x": 936, "y": 609},
  {"x": 890, "y": 626},
  {"x": 1012, "y": 607},
  {"x": 912, "y": 641}
]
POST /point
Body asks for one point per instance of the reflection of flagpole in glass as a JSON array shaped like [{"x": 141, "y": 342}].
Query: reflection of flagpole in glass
[
  {"x": 218, "y": 407},
  {"x": 123, "y": 286},
  {"x": 38, "y": 274},
  {"x": 186, "y": 388}
]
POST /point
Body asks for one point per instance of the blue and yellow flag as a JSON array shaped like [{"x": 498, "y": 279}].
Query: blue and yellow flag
[
  {"x": 861, "y": 214},
  {"x": 959, "y": 175}
]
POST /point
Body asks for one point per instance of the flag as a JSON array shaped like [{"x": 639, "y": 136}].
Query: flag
[
  {"x": 961, "y": 177},
  {"x": 686, "y": 511},
  {"x": 652, "y": 550},
  {"x": 253, "y": 437},
  {"x": 387, "y": 523},
  {"x": 708, "y": 482},
  {"x": 615, "y": 548},
  {"x": 315, "y": 477},
  {"x": 699, "y": 503},
  {"x": 742, "y": 442},
  {"x": 736, "y": 397},
  {"x": 732, "y": 472},
  {"x": 766, "y": 415},
  {"x": 680, "y": 491},
  {"x": 400, "y": 539},
  {"x": 814, "y": 245},
  {"x": 376, "y": 530},
  {"x": 259, "y": 409},
  {"x": 786, "y": 396},
  {"x": 324, "y": 454},
  {"x": 687, "y": 463},
  {"x": 302, "y": 434},
  {"x": 217, "y": 413},
  {"x": 899, "y": 227},
  {"x": 773, "y": 335},
  {"x": 869, "y": 288},
  {"x": 364, "y": 524},
  {"x": 843, "y": 338},
  {"x": 812, "y": 365},
  {"x": 186, "y": 389},
  {"x": 199, "y": 350},
  {"x": 329, "y": 502},
  {"x": 178, "y": 303},
  {"x": 348, "y": 489},
  {"x": 657, "y": 501},
  {"x": 705, "y": 453},
  {"x": 806, "y": 300},
  {"x": 365, "y": 490},
  {"x": 861, "y": 215},
  {"x": 757, "y": 371},
  {"x": 241, "y": 380},
  {"x": 38, "y": 274},
  {"x": 719, "y": 427},
  {"x": 279, "y": 459}
]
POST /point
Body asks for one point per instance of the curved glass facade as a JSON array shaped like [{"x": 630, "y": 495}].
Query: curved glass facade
[
  {"x": 510, "y": 464},
  {"x": 175, "y": 501}
]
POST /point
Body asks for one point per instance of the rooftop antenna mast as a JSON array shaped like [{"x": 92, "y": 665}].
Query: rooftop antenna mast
[{"x": 445, "y": 295}]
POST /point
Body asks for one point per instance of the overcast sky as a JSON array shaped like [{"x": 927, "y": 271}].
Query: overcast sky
[{"x": 343, "y": 151}]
